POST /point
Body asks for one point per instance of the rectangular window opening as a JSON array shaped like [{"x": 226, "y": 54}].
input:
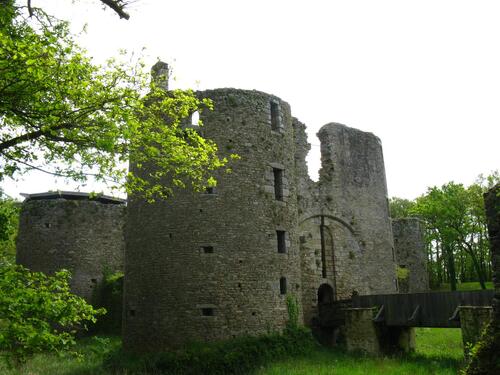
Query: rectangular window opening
[
  {"x": 281, "y": 235},
  {"x": 275, "y": 116},
  {"x": 283, "y": 285},
  {"x": 278, "y": 184},
  {"x": 208, "y": 249},
  {"x": 207, "y": 311}
]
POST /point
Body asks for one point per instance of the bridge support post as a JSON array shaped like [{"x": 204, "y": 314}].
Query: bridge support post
[
  {"x": 473, "y": 321},
  {"x": 360, "y": 330},
  {"x": 363, "y": 334}
]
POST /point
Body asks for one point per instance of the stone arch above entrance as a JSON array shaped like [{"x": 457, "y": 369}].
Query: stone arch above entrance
[{"x": 331, "y": 217}]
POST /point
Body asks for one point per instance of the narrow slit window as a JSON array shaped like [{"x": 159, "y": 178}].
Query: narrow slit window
[
  {"x": 283, "y": 285},
  {"x": 281, "y": 235},
  {"x": 207, "y": 311},
  {"x": 275, "y": 116},
  {"x": 278, "y": 184}
]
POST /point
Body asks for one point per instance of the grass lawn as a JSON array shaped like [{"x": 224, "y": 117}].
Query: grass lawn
[
  {"x": 473, "y": 285},
  {"x": 439, "y": 351}
]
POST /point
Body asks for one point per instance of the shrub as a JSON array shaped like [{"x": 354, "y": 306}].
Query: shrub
[
  {"x": 236, "y": 356},
  {"x": 38, "y": 312},
  {"x": 109, "y": 295}
]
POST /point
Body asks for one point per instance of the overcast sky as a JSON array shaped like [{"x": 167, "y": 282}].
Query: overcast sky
[{"x": 424, "y": 76}]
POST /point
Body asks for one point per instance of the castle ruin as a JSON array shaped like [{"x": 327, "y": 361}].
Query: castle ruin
[{"x": 220, "y": 264}]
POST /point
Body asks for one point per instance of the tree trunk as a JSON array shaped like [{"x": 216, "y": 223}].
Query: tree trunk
[
  {"x": 448, "y": 250},
  {"x": 479, "y": 271}
]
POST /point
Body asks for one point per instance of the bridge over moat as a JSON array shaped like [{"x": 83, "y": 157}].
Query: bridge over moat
[{"x": 382, "y": 323}]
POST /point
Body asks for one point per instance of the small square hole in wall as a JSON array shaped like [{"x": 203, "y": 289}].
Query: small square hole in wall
[
  {"x": 210, "y": 190},
  {"x": 208, "y": 249},
  {"x": 48, "y": 225},
  {"x": 94, "y": 281},
  {"x": 131, "y": 312},
  {"x": 207, "y": 311}
]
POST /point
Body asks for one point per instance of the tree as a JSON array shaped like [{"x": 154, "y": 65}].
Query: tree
[
  {"x": 9, "y": 221},
  {"x": 118, "y": 6},
  {"x": 61, "y": 114},
  {"x": 38, "y": 312},
  {"x": 400, "y": 208}
]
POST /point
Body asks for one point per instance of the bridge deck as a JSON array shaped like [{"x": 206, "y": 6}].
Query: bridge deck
[{"x": 432, "y": 309}]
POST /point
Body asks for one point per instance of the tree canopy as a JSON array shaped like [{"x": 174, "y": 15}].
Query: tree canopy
[{"x": 62, "y": 114}]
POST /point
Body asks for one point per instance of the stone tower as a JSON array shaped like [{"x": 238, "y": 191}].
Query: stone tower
[
  {"x": 411, "y": 256},
  {"x": 74, "y": 231},
  {"x": 345, "y": 232},
  {"x": 218, "y": 264}
]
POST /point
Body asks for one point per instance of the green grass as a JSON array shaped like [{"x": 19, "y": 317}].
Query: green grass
[
  {"x": 439, "y": 351},
  {"x": 472, "y": 285}
]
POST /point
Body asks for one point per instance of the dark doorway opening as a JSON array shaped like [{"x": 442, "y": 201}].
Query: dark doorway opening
[{"x": 325, "y": 294}]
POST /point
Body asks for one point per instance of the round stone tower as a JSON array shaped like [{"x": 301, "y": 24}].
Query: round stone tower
[
  {"x": 411, "y": 255},
  {"x": 75, "y": 231},
  {"x": 219, "y": 264}
]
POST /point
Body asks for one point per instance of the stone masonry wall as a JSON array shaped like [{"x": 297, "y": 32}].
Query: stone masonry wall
[
  {"x": 203, "y": 267},
  {"x": 411, "y": 255},
  {"x": 83, "y": 236}
]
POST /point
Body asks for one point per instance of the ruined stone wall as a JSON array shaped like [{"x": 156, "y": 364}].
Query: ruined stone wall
[
  {"x": 411, "y": 256},
  {"x": 202, "y": 267},
  {"x": 345, "y": 232},
  {"x": 83, "y": 236}
]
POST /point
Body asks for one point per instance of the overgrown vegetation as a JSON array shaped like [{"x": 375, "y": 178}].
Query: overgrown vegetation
[
  {"x": 110, "y": 295},
  {"x": 293, "y": 312},
  {"x": 485, "y": 358},
  {"x": 455, "y": 230}
]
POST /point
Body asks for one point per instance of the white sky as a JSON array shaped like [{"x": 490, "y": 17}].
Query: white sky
[{"x": 424, "y": 75}]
